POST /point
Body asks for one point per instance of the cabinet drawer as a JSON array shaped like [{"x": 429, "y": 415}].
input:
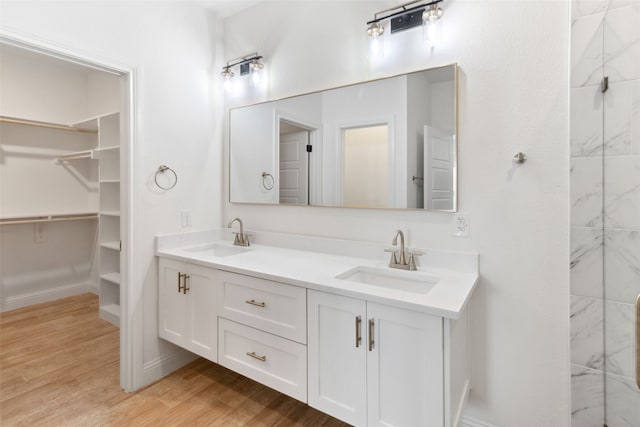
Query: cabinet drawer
[
  {"x": 270, "y": 306},
  {"x": 273, "y": 361}
]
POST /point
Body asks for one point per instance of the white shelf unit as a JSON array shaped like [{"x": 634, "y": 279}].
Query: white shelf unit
[{"x": 108, "y": 153}]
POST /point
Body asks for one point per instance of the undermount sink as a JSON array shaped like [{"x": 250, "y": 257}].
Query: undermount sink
[
  {"x": 410, "y": 281},
  {"x": 218, "y": 249}
]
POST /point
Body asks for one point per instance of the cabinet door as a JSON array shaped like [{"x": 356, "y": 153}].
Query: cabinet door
[
  {"x": 404, "y": 368},
  {"x": 172, "y": 314},
  {"x": 203, "y": 293},
  {"x": 337, "y": 363}
]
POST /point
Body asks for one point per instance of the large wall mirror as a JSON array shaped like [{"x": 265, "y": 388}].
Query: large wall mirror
[{"x": 388, "y": 143}]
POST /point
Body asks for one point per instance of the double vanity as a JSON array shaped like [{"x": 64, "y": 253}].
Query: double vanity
[{"x": 325, "y": 321}]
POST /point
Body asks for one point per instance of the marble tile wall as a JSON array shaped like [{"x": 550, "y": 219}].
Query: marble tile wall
[{"x": 605, "y": 211}]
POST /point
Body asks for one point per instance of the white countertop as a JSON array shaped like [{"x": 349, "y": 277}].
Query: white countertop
[{"x": 317, "y": 270}]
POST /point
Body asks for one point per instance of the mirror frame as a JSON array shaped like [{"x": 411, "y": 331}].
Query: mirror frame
[{"x": 456, "y": 80}]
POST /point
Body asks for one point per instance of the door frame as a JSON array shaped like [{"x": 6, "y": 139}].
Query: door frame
[
  {"x": 315, "y": 164},
  {"x": 340, "y": 129},
  {"x": 131, "y": 321}
]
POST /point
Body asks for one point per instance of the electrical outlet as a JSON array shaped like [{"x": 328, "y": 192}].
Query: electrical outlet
[
  {"x": 185, "y": 217},
  {"x": 461, "y": 225},
  {"x": 40, "y": 235}
]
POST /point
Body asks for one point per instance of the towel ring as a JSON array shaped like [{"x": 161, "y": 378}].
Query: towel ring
[
  {"x": 163, "y": 169},
  {"x": 265, "y": 176}
]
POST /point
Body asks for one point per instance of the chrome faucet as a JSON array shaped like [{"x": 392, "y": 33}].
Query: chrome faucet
[
  {"x": 241, "y": 238},
  {"x": 402, "y": 263}
]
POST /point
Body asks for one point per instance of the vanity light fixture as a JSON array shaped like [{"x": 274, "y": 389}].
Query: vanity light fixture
[
  {"x": 403, "y": 17},
  {"x": 248, "y": 64},
  {"x": 431, "y": 27}
]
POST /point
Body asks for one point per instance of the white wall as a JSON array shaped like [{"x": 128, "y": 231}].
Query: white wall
[
  {"x": 513, "y": 97},
  {"x": 171, "y": 46}
]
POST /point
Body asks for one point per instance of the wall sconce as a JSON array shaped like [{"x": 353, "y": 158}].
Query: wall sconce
[
  {"x": 249, "y": 64},
  {"x": 406, "y": 16}
]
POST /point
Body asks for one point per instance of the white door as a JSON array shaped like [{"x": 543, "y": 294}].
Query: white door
[
  {"x": 438, "y": 168},
  {"x": 172, "y": 302},
  {"x": 404, "y": 368},
  {"x": 337, "y": 360},
  {"x": 203, "y": 294},
  {"x": 294, "y": 168}
]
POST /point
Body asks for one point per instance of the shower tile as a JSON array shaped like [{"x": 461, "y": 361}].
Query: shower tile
[
  {"x": 581, "y": 8},
  {"x": 621, "y": 119},
  {"x": 622, "y": 192},
  {"x": 586, "y": 331},
  {"x": 586, "y": 192},
  {"x": 622, "y": 265},
  {"x": 623, "y": 402},
  {"x": 586, "y": 121},
  {"x": 622, "y": 43},
  {"x": 619, "y": 336},
  {"x": 586, "y": 50},
  {"x": 587, "y": 397},
  {"x": 586, "y": 262}
]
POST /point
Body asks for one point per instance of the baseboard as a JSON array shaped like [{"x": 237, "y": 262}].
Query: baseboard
[
  {"x": 155, "y": 369},
  {"x": 472, "y": 422},
  {"x": 93, "y": 287},
  {"x": 45, "y": 295}
]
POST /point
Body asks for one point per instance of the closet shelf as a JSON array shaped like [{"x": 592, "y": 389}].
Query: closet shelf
[
  {"x": 111, "y": 277},
  {"x": 111, "y": 245},
  {"x": 47, "y": 218},
  {"x": 110, "y": 181},
  {"x": 110, "y": 213},
  {"x": 92, "y": 122},
  {"x": 56, "y": 126}
]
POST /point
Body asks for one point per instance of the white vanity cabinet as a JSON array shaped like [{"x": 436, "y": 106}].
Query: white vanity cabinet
[
  {"x": 188, "y": 306},
  {"x": 391, "y": 358},
  {"x": 375, "y": 365}
]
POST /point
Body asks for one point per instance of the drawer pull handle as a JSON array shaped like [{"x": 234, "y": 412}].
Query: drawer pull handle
[
  {"x": 371, "y": 332},
  {"x": 253, "y": 302},
  {"x": 358, "y": 331},
  {"x": 185, "y": 287},
  {"x": 180, "y": 281},
  {"x": 255, "y": 356}
]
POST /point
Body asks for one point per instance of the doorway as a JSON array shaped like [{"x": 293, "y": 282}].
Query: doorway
[
  {"x": 66, "y": 163},
  {"x": 295, "y": 151},
  {"x": 366, "y": 167}
]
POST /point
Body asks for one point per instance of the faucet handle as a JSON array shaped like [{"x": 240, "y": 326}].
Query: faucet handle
[
  {"x": 241, "y": 239},
  {"x": 412, "y": 260},
  {"x": 394, "y": 255}
]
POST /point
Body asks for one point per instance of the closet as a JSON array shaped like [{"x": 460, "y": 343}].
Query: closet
[{"x": 60, "y": 162}]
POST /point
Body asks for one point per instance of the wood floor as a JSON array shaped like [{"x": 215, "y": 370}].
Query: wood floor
[{"x": 59, "y": 367}]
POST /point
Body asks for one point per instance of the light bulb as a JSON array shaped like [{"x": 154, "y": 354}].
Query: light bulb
[
  {"x": 375, "y": 31},
  {"x": 256, "y": 72},
  {"x": 227, "y": 74},
  {"x": 375, "y": 46},
  {"x": 431, "y": 25}
]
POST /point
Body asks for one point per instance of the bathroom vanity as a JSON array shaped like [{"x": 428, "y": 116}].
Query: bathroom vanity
[{"x": 346, "y": 334}]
